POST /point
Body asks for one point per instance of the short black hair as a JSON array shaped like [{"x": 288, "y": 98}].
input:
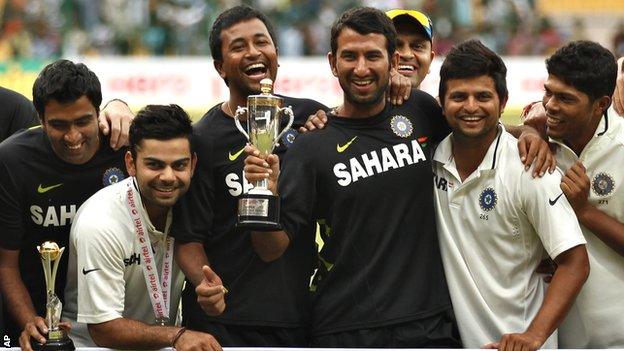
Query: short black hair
[
  {"x": 585, "y": 65},
  {"x": 471, "y": 59},
  {"x": 66, "y": 82},
  {"x": 160, "y": 122},
  {"x": 230, "y": 17},
  {"x": 365, "y": 20}
]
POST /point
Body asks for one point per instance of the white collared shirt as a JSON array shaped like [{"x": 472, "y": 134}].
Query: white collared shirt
[
  {"x": 105, "y": 278},
  {"x": 494, "y": 228},
  {"x": 597, "y": 318}
]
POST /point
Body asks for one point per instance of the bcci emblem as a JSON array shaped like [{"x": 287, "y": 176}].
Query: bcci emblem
[
  {"x": 112, "y": 176},
  {"x": 289, "y": 137},
  {"x": 401, "y": 126},
  {"x": 603, "y": 184},
  {"x": 487, "y": 199}
]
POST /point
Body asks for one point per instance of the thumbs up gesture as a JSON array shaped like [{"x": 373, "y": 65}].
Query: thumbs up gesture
[{"x": 211, "y": 293}]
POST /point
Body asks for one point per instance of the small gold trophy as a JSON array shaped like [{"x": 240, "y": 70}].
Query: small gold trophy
[
  {"x": 57, "y": 339},
  {"x": 258, "y": 209}
]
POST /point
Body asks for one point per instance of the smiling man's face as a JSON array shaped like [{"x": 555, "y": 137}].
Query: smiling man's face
[{"x": 249, "y": 55}]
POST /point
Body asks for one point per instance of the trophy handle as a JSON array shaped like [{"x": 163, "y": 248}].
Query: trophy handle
[
  {"x": 55, "y": 269},
  {"x": 291, "y": 118},
  {"x": 239, "y": 112}
]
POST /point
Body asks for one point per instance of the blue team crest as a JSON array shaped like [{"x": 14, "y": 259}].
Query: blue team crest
[
  {"x": 112, "y": 176},
  {"x": 401, "y": 126},
  {"x": 603, "y": 184},
  {"x": 487, "y": 199},
  {"x": 289, "y": 137}
]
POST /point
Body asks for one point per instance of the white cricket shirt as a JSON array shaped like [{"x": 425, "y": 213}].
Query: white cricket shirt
[
  {"x": 105, "y": 277},
  {"x": 494, "y": 229},
  {"x": 597, "y": 318}
]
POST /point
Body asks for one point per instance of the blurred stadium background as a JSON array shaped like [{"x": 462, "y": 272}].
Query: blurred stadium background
[{"x": 156, "y": 51}]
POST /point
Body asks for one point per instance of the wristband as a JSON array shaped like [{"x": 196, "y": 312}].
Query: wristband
[{"x": 177, "y": 336}]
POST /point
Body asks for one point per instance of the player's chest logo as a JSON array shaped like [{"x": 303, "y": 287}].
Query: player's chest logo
[
  {"x": 289, "y": 137},
  {"x": 603, "y": 184},
  {"x": 112, "y": 176},
  {"x": 401, "y": 126},
  {"x": 488, "y": 199}
]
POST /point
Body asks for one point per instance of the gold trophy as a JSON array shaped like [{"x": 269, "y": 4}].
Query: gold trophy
[
  {"x": 258, "y": 209},
  {"x": 56, "y": 339}
]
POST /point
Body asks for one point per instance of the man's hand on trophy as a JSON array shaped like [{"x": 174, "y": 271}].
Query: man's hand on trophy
[
  {"x": 315, "y": 121},
  {"x": 258, "y": 168},
  {"x": 115, "y": 119},
  {"x": 399, "y": 88},
  {"x": 37, "y": 329},
  {"x": 211, "y": 293}
]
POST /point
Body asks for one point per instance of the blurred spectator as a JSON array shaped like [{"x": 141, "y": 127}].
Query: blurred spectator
[
  {"x": 618, "y": 40},
  {"x": 579, "y": 30},
  {"x": 51, "y": 28}
]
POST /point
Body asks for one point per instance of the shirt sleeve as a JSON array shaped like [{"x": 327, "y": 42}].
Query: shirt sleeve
[
  {"x": 11, "y": 215},
  {"x": 297, "y": 187},
  {"x": 24, "y": 116},
  {"x": 550, "y": 212},
  {"x": 101, "y": 292}
]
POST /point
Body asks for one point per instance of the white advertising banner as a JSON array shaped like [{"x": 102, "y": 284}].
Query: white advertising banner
[{"x": 194, "y": 83}]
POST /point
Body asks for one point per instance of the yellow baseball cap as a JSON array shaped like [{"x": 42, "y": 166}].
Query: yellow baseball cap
[{"x": 421, "y": 19}]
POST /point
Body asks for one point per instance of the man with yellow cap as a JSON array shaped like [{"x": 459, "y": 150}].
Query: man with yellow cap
[{"x": 415, "y": 32}]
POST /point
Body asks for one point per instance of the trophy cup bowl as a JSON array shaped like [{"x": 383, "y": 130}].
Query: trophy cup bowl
[
  {"x": 56, "y": 338},
  {"x": 258, "y": 209}
]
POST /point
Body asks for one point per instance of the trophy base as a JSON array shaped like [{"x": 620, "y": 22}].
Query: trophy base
[
  {"x": 63, "y": 344},
  {"x": 258, "y": 212}
]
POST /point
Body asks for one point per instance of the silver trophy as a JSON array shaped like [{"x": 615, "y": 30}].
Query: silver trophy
[
  {"x": 57, "y": 339},
  {"x": 258, "y": 209}
]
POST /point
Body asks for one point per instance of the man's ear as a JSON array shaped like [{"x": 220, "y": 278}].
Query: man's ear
[
  {"x": 432, "y": 57},
  {"x": 601, "y": 105},
  {"x": 332, "y": 63},
  {"x": 503, "y": 103},
  {"x": 218, "y": 65},
  {"x": 130, "y": 164},
  {"x": 193, "y": 163}
]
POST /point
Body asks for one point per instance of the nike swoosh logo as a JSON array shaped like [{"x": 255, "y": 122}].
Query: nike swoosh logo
[
  {"x": 342, "y": 148},
  {"x": 41, "y": 189},
  {"x": 553, "y": 202},
  {"x": 235, "y": 156},
  {"x": 87, "y": 271}
]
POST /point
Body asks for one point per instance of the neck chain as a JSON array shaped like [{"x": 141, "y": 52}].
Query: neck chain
[{"x": 229, "y": 108}]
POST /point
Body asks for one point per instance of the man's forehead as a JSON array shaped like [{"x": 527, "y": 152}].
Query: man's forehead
[
  {"x": 71, "y": 110},
  {"x": 376, "y": 41},
  {"x": 477, "y": 83},
  {"x": 409, "y": 35},
  {"x": 554, "y": 82},
  {"x": 252, "y": 27}
]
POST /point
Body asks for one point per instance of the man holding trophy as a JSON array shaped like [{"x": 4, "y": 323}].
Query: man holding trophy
[
  {"x": 267, "y": 303},
  {"x": 359, "y": 177},
  {"x": 123, "y": 286},
  {"x": 47, "y": 173}
]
